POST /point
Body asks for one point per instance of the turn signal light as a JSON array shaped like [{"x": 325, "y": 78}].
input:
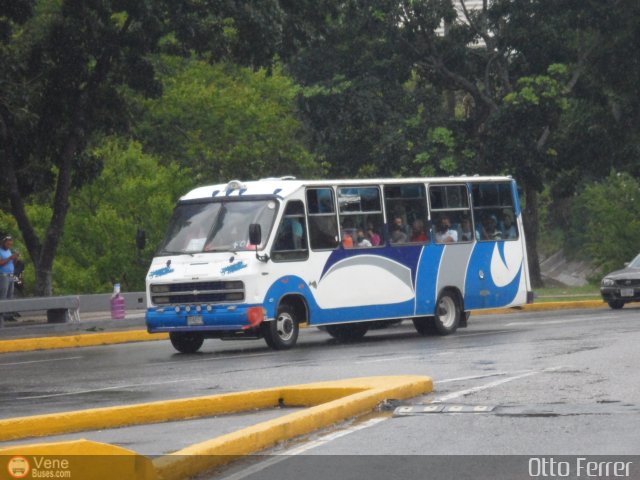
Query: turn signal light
[{"x": 255, "y": 316}]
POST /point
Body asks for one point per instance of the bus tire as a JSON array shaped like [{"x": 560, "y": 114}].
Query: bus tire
[
  {"x": 424, "y": 325},
  {"x": 186, "y": 342},
  {"x": 282, "y": 333},
  {"x": 447, "y": 315},
  {"x": 464, "y": 320},
  {"x": 348, "y": 333},
  {"x": 616, "y": 304}
]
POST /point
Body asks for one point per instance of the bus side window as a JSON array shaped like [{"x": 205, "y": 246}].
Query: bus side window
[
  {"x": 323, "y": 224},
  {"x": 450, "y": 213},
  {"x": 361, "y": 220},
  {"x": 291, "y": 238},
  {"x": 406, "y": 207},
  {"x": 494, "y": 212}
]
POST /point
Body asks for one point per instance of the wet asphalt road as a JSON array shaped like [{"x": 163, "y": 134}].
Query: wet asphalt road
[{"x": 558, "y": 382}]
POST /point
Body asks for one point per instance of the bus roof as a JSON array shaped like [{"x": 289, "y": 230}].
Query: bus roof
[{"x": 285, "y": 186}]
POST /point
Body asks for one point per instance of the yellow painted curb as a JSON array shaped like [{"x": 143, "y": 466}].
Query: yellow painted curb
[
  {"x": 206, "y": 455},
  {"x": 543, "y": 306},
  {"x": 79, "y": 459},
  {"x": 329, "y": 402},
  {"x": 171, "y": 410},
  {"x": 81, "y": 340}
]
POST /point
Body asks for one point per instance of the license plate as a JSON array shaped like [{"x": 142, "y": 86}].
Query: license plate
[
  {"x": 194, "y": 320},
  {"x": 626, "y": 292}
]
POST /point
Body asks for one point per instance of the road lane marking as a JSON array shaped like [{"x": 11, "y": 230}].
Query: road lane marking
[
  {"x": 494, "y": 332},
  {"x": 282, "y": 456},
  {"x": 39, "y": 361},
  {"x": 476, "y": 377},
  {"x": 115, "y": 387},
  {"x": 230, "y": 357},
  {"x": 486, "y": 386},
  {"x": 390, "y": 359},
  {"x": 557, "y": 322}
]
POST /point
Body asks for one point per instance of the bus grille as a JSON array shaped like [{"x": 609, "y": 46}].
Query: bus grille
[{"x": 197, "y": 292}]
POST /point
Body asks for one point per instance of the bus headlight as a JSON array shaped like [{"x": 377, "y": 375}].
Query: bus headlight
[{"x": 159, "y": 288}]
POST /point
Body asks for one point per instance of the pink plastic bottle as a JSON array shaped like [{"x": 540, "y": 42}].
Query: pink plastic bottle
[{"x": 117, "y": 304}]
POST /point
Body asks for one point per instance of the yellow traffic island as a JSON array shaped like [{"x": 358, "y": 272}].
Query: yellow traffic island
[
  {"x": 79, "y": 459},
  {"x": 327, "y": 403}
]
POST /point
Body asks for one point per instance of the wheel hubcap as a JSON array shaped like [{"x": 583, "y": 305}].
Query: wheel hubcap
[
  {"x": 446, "y": 312},
  {"x": 284, "y": 326}
]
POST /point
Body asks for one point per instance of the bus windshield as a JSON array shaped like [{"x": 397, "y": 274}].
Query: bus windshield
[{"x": 217, "y": 226}]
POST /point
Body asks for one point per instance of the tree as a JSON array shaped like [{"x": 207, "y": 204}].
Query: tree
[
  {"x": 65, "y": 67},
  {"x": 518, "y": 86},
  {"x": 62, "y": 64},
  {"x": 606, "y": 221},
  {"x": 134, "y": 191},
  {"x": 223, "y": 121},
  {"x": 360, "y": 100}
]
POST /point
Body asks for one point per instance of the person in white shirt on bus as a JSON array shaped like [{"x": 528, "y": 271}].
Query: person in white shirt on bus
[
  {"x": 361, "y": 240},
  {"x": 444, "y": 232}
]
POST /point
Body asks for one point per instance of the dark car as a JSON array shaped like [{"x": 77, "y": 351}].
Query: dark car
[{"x": 622, "y": 286}]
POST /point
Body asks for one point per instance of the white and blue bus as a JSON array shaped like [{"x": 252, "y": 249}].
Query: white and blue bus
[{"x": 258, "y": 259}]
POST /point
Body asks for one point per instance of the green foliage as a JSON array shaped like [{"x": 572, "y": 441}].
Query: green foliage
[
  {"x": 606, "y": 221},
  {"x": 441, "y": 156},
  {"x": 98, "y": 247},
  {"x": 224, "y": 121}
]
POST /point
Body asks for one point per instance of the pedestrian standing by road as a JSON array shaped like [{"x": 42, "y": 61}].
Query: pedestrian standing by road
[{"x": 7, "y": 259}]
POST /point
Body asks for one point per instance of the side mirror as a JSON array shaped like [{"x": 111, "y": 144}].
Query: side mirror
[
  {"x": 626, "y": 264},
  {"x": 141, "y": 239},
  {"x": 255, "y": 234}
]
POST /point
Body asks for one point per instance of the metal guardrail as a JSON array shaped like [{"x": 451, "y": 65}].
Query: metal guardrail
[
  {"x": 64, "y": 309},
  {"x": 100, "y": 302}
]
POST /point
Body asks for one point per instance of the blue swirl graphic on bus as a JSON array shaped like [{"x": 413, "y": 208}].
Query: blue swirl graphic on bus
[
  {"x": 161, "y": 272},
  {"x": 234, "y": 267}
]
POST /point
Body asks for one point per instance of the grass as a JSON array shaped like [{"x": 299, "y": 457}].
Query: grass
[{"x": 567, "y": 294}]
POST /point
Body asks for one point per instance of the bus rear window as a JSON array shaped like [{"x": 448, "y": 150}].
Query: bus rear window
[{"x": 494, "y": 212}]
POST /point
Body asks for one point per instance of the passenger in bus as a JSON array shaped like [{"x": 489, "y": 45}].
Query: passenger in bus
[
  {"x": 466, "y": 233},
  {"x": 508, "y": 228},
  {"x": 347, "y": 240},
  {"x": 444, "y": 232},
  {"x": 396, "y": 234},
  {"x": 398, "y": 220},
  {"x": 374, "y": 238},
  {"x": 418, "y": 233},
  {"x": 489, "y": 229},
  {"x": 361, "y": 240}
]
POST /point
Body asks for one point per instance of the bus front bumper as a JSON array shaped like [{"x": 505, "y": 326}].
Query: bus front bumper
[{"x": 214, "y": 318}]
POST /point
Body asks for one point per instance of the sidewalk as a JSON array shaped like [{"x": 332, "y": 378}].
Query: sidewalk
[{"x": 34, "y": 325}]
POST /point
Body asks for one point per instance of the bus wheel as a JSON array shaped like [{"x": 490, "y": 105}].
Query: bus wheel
[
  {"x": 185, "y": 342},
  {"x": 424, "y": 325},
  {"x": 348, "y": 333},
  {"x": 447, "y": 317},
  {"x": 616, "y": 304},
  {"x": 281, "y": 333}
]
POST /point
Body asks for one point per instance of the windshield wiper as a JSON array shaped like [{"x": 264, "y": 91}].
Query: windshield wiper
[{"x": 167, "y": 252}]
